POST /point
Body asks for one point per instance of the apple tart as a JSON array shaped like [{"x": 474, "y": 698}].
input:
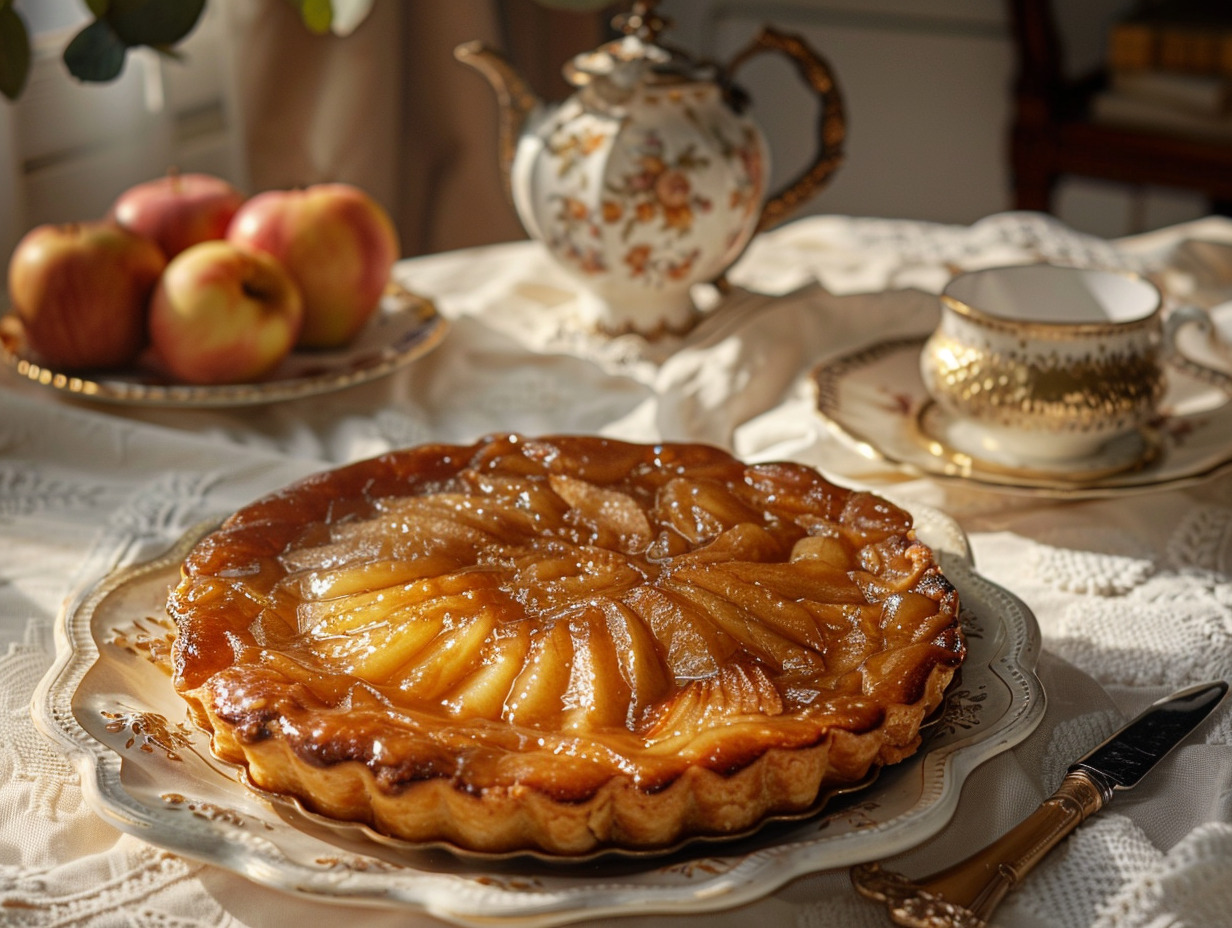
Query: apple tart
[{"x": 563, "y": 644}]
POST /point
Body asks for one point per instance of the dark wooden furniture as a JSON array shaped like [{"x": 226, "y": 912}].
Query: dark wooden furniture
[{"x": 1052, "y": 134}]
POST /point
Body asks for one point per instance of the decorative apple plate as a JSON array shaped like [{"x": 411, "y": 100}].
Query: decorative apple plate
[
  {"x": 405, "y": 327},
  {"x": 109, "y": 705}
]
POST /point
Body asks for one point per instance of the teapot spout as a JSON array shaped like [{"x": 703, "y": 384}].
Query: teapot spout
[{"x": 514, "y": 95}]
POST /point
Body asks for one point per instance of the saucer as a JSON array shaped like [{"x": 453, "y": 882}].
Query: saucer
[
  {"x": 963, "y": 442},
  {"x": 874, "y": 398}
]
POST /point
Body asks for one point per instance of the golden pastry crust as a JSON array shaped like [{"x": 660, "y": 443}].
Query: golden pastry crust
[{"x": 563, "y": 644}]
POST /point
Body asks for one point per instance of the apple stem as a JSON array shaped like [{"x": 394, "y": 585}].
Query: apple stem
[{"x": 252, "y": 291}]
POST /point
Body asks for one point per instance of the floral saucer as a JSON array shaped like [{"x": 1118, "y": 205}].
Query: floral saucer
[{"x": 874, "y": 398}]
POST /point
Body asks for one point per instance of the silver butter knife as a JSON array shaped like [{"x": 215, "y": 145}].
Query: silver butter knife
[{"x": 964, "y": 895}]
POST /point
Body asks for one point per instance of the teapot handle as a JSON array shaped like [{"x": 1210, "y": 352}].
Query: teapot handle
[{"x": 831, "y": 124}]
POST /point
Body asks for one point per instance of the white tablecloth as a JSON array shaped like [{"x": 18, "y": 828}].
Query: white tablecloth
[{"x": 1133, "y": 595}]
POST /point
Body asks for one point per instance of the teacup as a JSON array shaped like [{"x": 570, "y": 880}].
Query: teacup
[{"x": 1052, "y": 363}]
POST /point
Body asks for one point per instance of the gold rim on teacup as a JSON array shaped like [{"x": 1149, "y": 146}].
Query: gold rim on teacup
[
  {"x": 1056, "y": 328},
  {"x": 1052, "y": 362}
]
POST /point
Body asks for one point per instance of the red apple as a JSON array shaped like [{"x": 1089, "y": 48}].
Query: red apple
[
  {"x": 223, "y": 314},
  {"x": 339, "y": 245},
  {"x": 178, "y": 210},
  {"x": 81, "y": 291}
]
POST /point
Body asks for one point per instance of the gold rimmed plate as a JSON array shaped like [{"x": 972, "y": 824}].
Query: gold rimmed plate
[
  {"x": 874, "y": 399},
  {"x": 108, "y": 703},
  {"x": 406, "y": 326},
  {"x": 966, "y": 448}
]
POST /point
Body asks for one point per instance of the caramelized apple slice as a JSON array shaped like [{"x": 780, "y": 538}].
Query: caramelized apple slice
[
  {"x": 598, "y": 695},
  {"x": 337, "y": 615},
  {"x": 823, "y": 550},
  {"x": 483, "y": 519},
  {"x": 375, "y": 652},
  {"x": 554, "y": 577},
  {"x": 759, "y": 603},
  {"x": 516, "y": 492},
  {"x": 449, "y": 657},
  {"x": 612, "y": 519},
  {"x": 418, "y": 530},
  {"x": 356, "y": 579},
  {"x": 912, "y": 617},
  {"x": 641, "y": 663},
  {"x": 744, "y": 542},
  {"x": 793, "y": 490},
  {"x": 338, "y": 554},
  {"x": 334, "y": 617},
  {"x": 738, "y": 692},
  {"x": 778, "y": 652},
  {"x": 800, "y": 581},
  {"x": 536, "y": 698},
  {"x": 691, "y": 644},
  {"x": 483, "y": 692},
  {"x": 700, "y": 510}
]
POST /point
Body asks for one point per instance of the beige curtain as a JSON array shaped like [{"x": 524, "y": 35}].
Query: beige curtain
[{"x": 389, "y": 109}]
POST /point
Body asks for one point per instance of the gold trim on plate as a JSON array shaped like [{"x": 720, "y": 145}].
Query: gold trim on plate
[{"x": 405, "y": 327}]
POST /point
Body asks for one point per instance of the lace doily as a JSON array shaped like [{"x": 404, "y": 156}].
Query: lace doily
[
  {"x": 1092, "y": 561},
  {"x": 1071, "y": 888},
  {"x": 28, "y": 759},
  {"x": 1137, "y": 598}
]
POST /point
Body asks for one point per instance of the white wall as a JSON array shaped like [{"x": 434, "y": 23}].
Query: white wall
[
  {"x": 928, "y": 89},
  {"x": 68, "y": 149}
]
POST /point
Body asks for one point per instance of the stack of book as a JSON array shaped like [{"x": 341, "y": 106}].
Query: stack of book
[{"x": 1170, "y": 70}]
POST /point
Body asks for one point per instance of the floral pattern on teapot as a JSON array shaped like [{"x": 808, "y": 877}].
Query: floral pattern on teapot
[{"x": 654, "y": 209}]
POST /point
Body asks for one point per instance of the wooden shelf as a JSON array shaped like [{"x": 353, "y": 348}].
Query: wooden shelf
[{"x": 1054, "y": 135}]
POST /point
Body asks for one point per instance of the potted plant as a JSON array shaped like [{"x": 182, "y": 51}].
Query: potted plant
[{"x": 97, "y": 52}]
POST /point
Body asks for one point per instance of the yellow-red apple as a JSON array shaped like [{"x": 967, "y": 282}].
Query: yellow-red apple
[
  {"x": 178, "y": 210},
  {"x": 82, "y": 290},
  {"x": 223, "y": 314},
  {"x": 339, "y": 246}
]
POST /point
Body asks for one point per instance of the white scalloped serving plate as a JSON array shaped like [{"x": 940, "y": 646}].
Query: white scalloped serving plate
[{"x": 146, "y": 770}]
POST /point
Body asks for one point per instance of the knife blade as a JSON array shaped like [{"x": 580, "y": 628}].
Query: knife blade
[
  {"x": 1125, "y": 758},
  {"x": 965, "y": 894}
]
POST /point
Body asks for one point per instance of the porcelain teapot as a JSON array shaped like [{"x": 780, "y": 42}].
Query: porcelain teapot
[{"x": 649, "y": 180}]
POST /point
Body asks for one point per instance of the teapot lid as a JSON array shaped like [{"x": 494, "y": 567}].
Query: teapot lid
[{"x": 639, "y": 57}]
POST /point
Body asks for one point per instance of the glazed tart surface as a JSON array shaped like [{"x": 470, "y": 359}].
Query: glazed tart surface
[{"x": 563, "y": 643}]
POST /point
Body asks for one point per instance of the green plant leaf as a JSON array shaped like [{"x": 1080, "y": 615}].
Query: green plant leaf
[
  {"x": 14, "y": 53},
  {"x": 96, "y": 53},
  {"x": 153, "y": 22},
  {"x": 318, "y": 15}
]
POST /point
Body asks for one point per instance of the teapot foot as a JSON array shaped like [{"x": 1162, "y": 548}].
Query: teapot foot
[{"x": 652, "y": 315}]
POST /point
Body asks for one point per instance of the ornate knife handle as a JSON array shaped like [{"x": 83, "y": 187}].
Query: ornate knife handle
[{"x": 964, "y": 895}]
